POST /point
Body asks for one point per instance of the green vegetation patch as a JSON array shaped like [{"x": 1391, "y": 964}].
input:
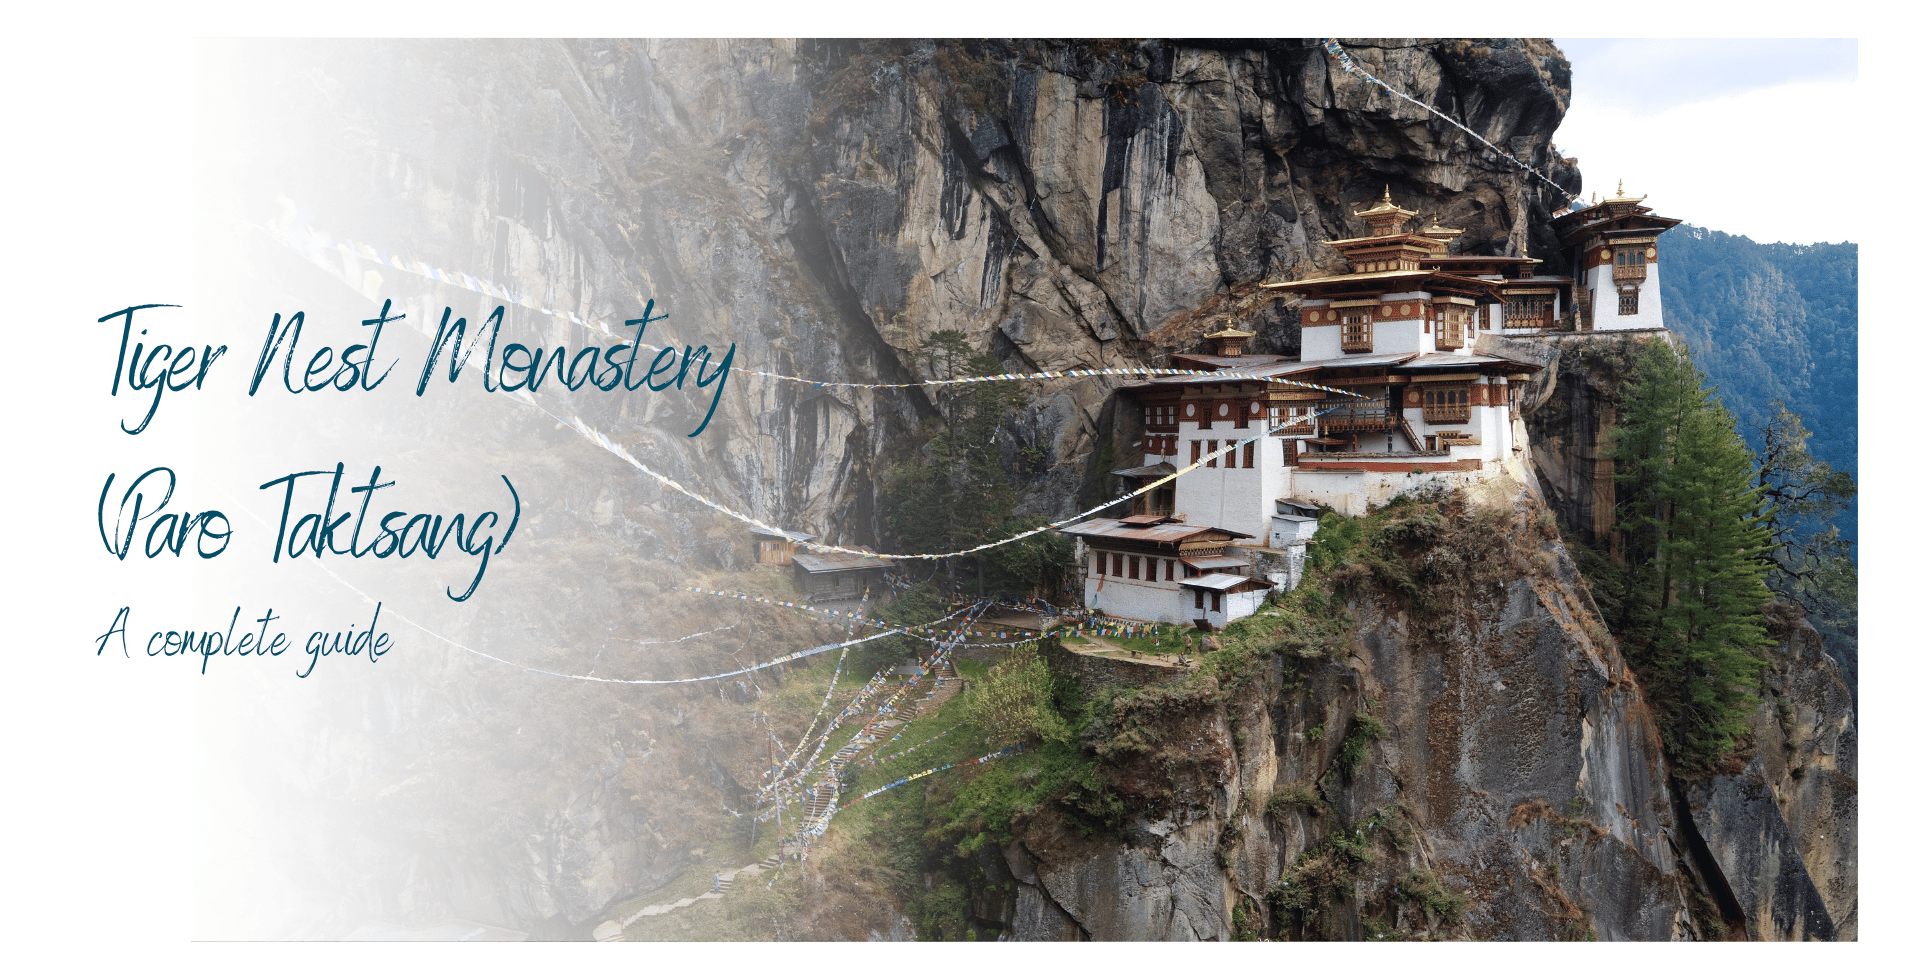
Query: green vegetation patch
[
  {"x": 1426, "y": 890},
  {"x": 1353, "y": 752},
  {"x": 1296, "y": 796}
]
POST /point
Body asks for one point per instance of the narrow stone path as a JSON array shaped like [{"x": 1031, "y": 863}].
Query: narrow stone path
[
  {"x": 615, "y": 931},
  {"x": 1093, "y": 646}
]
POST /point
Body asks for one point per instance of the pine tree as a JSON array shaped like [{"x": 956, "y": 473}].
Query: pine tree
[
  {"x": 1811, "y": 562},
  {"x": 955, "y": 493},
  {"x": 1697, "y": 545},
  {"x": 1714, "y": 567}
]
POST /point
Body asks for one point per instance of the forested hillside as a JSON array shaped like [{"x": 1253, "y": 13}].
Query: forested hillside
[{"x": 1772, "y": 321}]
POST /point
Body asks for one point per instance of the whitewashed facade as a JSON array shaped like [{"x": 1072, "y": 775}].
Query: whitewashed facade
[{"x": 1393, "y": 389}]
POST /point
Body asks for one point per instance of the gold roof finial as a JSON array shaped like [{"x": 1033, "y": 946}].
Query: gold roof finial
[
  {"x": 1386, "y": 194},
  {"x": 1229, "y": 330},
  {"x": 1620, "y": 195}
]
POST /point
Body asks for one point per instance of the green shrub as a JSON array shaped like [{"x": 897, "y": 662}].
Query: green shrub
[
  {"x": 1296, "y": 796},
  {"x": 1353, "y": 752},
  {"x": 1246, "y": 921},
  {"x": 1014, "y": 704},
  {"x": 1425, "y": 889},
  {"x": 1314, "y": 883}
]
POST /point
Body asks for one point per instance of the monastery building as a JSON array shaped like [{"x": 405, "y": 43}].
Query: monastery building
[{"x": 1425, "y": 398}]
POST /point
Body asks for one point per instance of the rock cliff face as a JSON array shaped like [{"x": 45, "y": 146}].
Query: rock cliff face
[
  {"x": 1782, "y": 831},
  {"x": 829, "y": 205},
  {"x": 1515, "y": 762},
  {"x": 1776, "y": 838},
  {"x": 1515, "y": 767}
]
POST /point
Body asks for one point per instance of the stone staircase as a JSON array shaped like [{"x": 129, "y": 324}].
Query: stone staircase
[
  {"x": 820, "y": 800},
  {"x": 943, "y": 684}
]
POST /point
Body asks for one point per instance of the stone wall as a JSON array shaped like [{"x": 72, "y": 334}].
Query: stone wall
[{"x": 1095, "y": 672}]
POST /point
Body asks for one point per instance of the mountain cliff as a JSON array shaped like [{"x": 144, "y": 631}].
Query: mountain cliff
[{"x": 828, "y": 206}]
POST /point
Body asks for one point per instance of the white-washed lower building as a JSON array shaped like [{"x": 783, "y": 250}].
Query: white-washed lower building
[{"x": 1151, "y": 568}]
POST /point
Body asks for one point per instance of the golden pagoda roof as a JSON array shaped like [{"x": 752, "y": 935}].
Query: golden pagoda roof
[
  {"x": 1229, "y": 331},
  {"x": 1385, "y": 207},
  {"x": 1352, "y": 277},
  {"x": 1436, "y": 276},
  {"x": 1620, "y": 195},
  {"x": 1409, "y": 240}
]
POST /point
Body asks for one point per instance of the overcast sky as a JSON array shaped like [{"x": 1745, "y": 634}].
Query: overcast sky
[{"x": 1724, "y": 134}]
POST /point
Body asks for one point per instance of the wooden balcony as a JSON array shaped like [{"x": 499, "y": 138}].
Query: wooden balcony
[
  {"x": 1366, "y": 415},
  {"x": 1359, "y": 421}
]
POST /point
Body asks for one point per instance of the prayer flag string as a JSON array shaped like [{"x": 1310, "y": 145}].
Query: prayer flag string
[
  {"x": 1346, "y": 61},
  {"x": 314, "y": 245}
]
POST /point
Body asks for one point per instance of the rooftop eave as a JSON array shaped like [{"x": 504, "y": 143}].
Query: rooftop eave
[{"x": 1358, "y": 278}]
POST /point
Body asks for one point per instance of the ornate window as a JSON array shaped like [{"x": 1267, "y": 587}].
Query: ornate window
[
  {"x": 1100, "y": 563},
  {"x": 1629, "y": 302},
  {"x": 1246, "y": 456},
  {"x": 1213, "y": 446},
  {"x": 1231, "y": 458},
  {"x": 1356, "y": 330},
  {"x": 1528, "y": 312},
  {"x": 1196, "y": 452},
  {"x": 1453, "y": 327},
  {"x": 1629, "y": 263},
  {"x": 1445, "y": 405}
]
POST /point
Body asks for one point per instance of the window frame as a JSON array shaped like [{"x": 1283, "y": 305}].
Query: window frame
[
  {"x": 1630, "y": 263},
  {"x": 1356, "y": 330},
  {"x": 1452, "y": 329},
  {"x": 1527, "y": 311},
  {"x": 1445, "y": 403}
]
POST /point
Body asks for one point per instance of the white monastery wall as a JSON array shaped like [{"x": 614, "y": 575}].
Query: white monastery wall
[
  {"x": 1320, "y": 343},
  {"x": 1138, "y": 599},
  {"x": 1400, "y": 336},
  {"x": 1606, "y": 312},
  {"x": 1235, "y": 605}
]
